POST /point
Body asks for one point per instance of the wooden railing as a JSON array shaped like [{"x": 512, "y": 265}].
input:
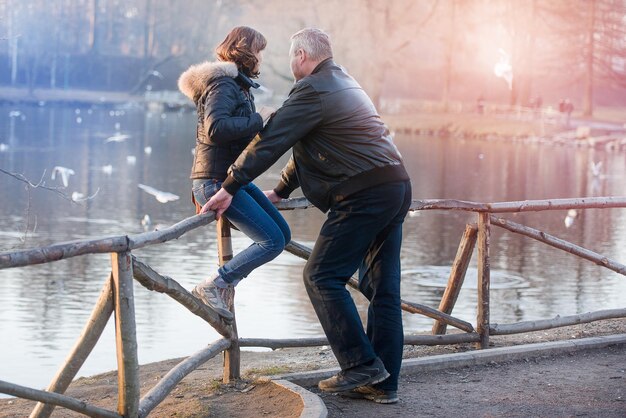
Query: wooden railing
[{"x": 117, "y": 297}]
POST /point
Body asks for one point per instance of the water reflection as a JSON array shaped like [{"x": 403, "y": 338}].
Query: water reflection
[
  {"x": 44, "y": 308},
  {"x": 437, "y": 276}
]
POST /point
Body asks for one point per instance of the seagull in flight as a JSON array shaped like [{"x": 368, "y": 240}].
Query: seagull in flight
[
  {"x": 78, "y": 197},
  {"x": 162, "y": 197},
  {"x": 146, "y": 222},
  {"x": 117, "y": 138},
  {"x": 64, "y": 172},
  {"x": 569, "y": 219},
  {"x": 596, "y": 168}
]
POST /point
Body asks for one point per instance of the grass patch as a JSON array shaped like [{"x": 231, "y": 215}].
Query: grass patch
[
  {"x": 215, "y": 385},
  {"x": 267, "y": 371}
]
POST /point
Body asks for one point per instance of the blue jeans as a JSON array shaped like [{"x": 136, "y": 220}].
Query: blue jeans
[
  {"x": 253, "y": 214},
  {"x": 362, "y": 232}
]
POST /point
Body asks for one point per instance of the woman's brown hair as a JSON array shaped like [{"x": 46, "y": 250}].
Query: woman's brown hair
[{"x": 239, "y": 47}]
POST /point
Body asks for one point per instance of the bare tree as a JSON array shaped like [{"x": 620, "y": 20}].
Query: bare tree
[
  {"x": 591, "y": 35},
  {"x": 39, "y": 185},
  {"x": 375, "y": 37}
]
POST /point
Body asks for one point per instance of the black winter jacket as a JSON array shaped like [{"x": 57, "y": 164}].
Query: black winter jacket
[
  {"x": 227, "y": 118},
  {"x": 340, "y": 144}
]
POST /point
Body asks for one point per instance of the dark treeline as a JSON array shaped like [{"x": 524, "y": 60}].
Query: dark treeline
[
  {"x": 104, "y": 44},
  {"x": 433, "y": 49}
]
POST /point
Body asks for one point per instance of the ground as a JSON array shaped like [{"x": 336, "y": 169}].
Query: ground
[
  {"x": 594, "y": 380},
  {"x": 591, "y": 383}
]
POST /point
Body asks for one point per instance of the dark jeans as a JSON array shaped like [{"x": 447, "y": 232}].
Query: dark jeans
[
  {"x": 254, "y": 215},
  {"x": 364, "y": 232}
]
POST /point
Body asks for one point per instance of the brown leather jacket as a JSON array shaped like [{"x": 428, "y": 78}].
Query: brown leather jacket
[{"x": 340, "y": 144}]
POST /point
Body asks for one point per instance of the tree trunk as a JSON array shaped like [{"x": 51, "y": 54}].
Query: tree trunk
[
  {"x": 588, "y": 99},
  {"x": 148, "y": 32},
  {"x": 450, "y": 41},
  {"x": 13, "y": 40}
]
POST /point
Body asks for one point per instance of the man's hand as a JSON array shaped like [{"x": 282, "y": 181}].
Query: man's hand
[
  {"x": 218, "y": 203},
  {"x": 272, "y": 196}
]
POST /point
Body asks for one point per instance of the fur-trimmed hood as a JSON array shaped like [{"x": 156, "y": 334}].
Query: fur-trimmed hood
[{"x": 195, "y": 79}]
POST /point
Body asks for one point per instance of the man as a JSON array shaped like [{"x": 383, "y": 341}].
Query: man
[{"x": 346, "y": 163}]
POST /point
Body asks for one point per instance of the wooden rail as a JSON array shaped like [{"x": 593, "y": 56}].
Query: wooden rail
[
  {"x": 116, "y": 244},
  {"x": 117, "y": 297}
]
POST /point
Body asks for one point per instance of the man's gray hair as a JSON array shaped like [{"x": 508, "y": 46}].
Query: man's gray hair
[{"x": 314, "y": 41}]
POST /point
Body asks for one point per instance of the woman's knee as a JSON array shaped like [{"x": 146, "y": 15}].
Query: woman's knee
[{"x": 275, "y": 245}]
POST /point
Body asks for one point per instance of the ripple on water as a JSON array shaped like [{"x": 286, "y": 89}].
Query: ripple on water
[{"x": 437, "y": 276}]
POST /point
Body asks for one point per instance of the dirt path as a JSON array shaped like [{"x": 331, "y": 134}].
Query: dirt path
[
  {"x": 591, "y": 383},
  {"x": 585, "y": 384}
]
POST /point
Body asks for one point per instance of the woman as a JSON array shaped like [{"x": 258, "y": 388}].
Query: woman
[{"x": 227, "y": 122}]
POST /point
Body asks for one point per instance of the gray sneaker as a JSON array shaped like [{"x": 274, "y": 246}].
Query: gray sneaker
[{"x": 215, "y": 298}]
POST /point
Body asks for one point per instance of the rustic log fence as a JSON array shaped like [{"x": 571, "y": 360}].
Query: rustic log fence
[{"x": 117, "y": 298}]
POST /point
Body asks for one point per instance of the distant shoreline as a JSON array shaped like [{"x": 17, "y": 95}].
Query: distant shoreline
[
  {"x": 165, "y": 100},
  {"x": 526, "y": 127},
  {"x": 22, "y": 95}
]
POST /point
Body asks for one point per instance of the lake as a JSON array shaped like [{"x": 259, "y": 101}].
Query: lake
[{"x": 43, "y": 308}]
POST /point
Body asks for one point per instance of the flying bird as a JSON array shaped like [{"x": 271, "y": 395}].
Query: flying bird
[
  {"x": 146, "y": 222},
  {"x": 161, "y": 196},
  {"x": 80, "y": 197},
  {"x": 569, "y": 219},
  {"x": 117, "y": 138},
  {"x": 64, "y": 172},
  {"x": 596, "y": 168}
]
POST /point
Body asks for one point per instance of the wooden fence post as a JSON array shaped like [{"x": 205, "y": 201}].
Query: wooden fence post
[
  {"x": 482, "y": 320},
  {"x": 232, "y": 356},
  {"x": 457, "y": 275},
  {"x": 125, "y": 335},
  {"x": 81, "y": 350}
]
